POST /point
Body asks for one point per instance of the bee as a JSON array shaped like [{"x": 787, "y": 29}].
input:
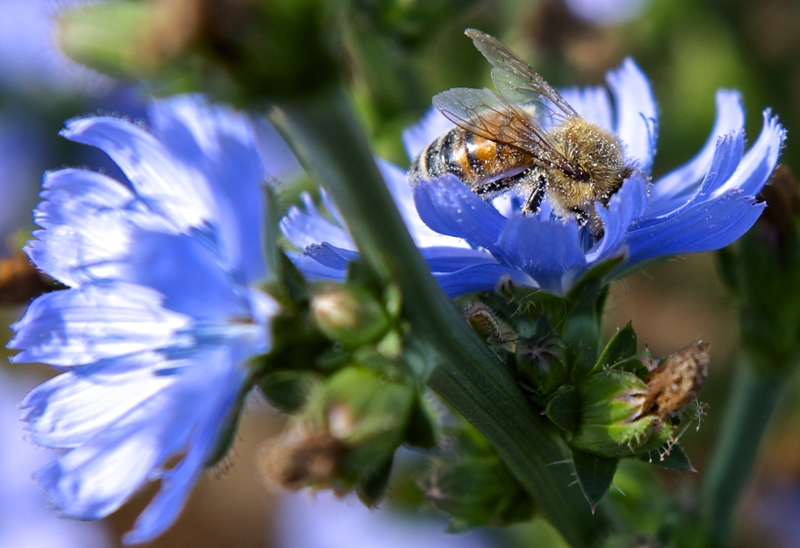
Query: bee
[{"x": 525, "y": 138}]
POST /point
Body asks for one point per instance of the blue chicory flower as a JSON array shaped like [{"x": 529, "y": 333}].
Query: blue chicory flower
[
  {"x": 162, "y": 313},
  {"x": 470, "y": 244}
]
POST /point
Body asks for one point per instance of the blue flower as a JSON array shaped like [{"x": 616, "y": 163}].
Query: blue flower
[
  {"x": 469, "y": 243},
  {"x": 162, "y": 313}
]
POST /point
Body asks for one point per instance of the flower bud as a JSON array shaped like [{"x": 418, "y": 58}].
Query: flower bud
[
  {"x": 469, "y": 482},
  {"x": 347, "y": 434},
  {"x": 111, "y": 37},
  {"x": 477, "y": 491},
  {"x": 349, "y": 314},
  {"x": 540, "y": 362},
  {"x": 622, "y": 415}
]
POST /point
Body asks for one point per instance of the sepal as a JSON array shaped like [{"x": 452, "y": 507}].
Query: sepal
[{"x": 594, "y": 475}]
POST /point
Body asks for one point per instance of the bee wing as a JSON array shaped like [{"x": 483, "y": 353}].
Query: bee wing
[
  {"x": 491, "y": 116},
  {"x": 517, "y": 81}
]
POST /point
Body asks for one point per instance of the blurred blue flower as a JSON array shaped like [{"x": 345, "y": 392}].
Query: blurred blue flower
[
  {"x": 327, "y": 522},
  {"x": 606, "y": 12},
  {"x": 29, "y": 52},
  {"x": 162, "y": 313},
  {"x": 469, "y": 243}
]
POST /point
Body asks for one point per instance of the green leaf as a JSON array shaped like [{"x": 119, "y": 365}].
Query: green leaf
[
  {"x": 622, "y": 345},
  {"x": 564, "y": 408},
  {"x": 581, "y": 327},
  {"x": 595, "y": 475},
  {"x": 422, "y": 431},
  {"x": 372, "y": 489},
  {"x": 599, "y": 272},
  {"x": 676, "y": 459},
  {"x": 635, "y": 365}
]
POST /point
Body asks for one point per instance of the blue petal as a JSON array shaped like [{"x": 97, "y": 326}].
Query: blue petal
[
  {"x": 188, "y": 273},
  {"x": 449, "y": 207},
  {"x": 674, "y": 189},
  {"x": 202, "y": 408},
  {"x": 432, "y": 125},
  {"x": 759, "y": 162},
  {"x": 703, "y": 227},
  {"x": 316, "y": 271},
  {"x": 727, "y": 156},
  {"x": 449, "y": 259},
  {"x": 222, "y": 143},
  {"x": 331, "y": 256},
  {"x": 637, "y": 115},
  {"x": 397, "y": 182},
  {"x": 545, "y": 250},
  {"x": 592, "y": 103},
  {"x": 71, "y": 408},
  {"x": 304, "y": 228},
  {"x": 479, "y": 277},
  {"x": 88, "y": 219},
  {"x": 80, "y": 326},
  {"x": 174, "y": 190},
  {"x": 624, "y": 207}
]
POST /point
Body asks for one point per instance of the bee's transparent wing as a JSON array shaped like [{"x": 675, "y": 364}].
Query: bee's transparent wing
[
  {"x": 518, "y": 82},
  {"x": 491, "y": 116}
]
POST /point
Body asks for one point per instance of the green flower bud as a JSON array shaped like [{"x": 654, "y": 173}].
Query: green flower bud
[
  {"x": 349, "y": 314},
  {"x": 477, "y": 491},
  {"x": 611, "y": 421},
  {"x": 118, "y": 38},
  {"x": 347, "y": 434},
  {"x": 622, "y": 415},
  {"x": 540, "y": 362},
  {"x": 469, "y": 482}
]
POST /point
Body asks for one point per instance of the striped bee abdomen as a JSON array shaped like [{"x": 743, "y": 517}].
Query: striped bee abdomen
[{"x": 469, "y": 157}]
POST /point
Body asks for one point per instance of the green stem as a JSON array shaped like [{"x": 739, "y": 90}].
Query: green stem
[
  {"x": 754, "y": 397},
  {"x": 327, "y": 139}
]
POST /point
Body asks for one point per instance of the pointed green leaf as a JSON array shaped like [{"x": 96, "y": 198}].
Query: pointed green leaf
[
  {"x": 622, "y": 345},
  {"x": 595, "y": 475},
  {"x": 422, "y": 431},
  {"x": 373, "y": 487}
]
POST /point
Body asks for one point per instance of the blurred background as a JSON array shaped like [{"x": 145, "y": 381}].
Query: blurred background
[{"x": 399, "y": 53}]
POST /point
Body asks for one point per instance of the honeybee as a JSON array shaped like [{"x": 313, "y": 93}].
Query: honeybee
[{"x": 526, "y": 137}]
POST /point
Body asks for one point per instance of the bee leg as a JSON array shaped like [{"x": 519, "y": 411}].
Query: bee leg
[
  {"x": 580, "y": 215},
  {"x": 493, "y": 188},
  {"x": 536, "y": 196}
]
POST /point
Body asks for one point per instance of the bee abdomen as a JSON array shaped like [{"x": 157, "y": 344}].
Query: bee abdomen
[{"x": 447, "y": 154}]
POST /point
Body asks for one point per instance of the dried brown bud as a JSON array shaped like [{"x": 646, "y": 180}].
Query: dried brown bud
[
  {"x": 20, "y": 281},
  {"x": 674, "y": 384},
  {"x": 301, "y": 458}
]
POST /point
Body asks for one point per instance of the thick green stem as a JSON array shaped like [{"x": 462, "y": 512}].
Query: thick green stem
[
  {"x": 753, "y": 399},
  {"x": 327, "y": 139}
]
